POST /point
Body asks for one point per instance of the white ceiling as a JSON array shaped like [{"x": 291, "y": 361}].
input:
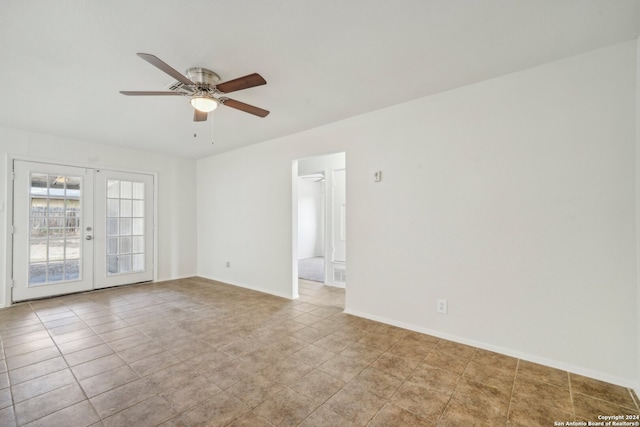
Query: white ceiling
[{"x": 63, "y": 62}]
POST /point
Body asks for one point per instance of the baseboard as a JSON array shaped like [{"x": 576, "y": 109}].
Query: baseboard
[
  {"x": 166, "y": 279},
  {"x": 336, "y": 285},
  {"x": 253, "y": 288},
  {"x": 506, "y": 351}
]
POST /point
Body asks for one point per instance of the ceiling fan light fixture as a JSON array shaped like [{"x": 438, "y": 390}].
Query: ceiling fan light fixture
[{"x": 204, "y": 103}]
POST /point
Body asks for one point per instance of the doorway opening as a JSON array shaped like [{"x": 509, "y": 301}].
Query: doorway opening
[{"x": 320, "y": 219}]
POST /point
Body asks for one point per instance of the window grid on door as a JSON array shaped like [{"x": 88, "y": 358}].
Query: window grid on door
[
  {"x": 125, "y": 227},
  {"x": 54, "y": 228}
]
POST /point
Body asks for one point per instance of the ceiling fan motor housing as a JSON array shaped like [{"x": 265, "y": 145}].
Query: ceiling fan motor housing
[{"x": 202, "y": 77}]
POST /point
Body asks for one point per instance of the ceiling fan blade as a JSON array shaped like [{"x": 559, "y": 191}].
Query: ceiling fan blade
[
  {"x": 244, "y": 107},
  {"x": 160, "y": 64},
  {"x": 199, "y": 116},
  {"x": 240, "y": 83},
  {"x": 146, "y": 93}
]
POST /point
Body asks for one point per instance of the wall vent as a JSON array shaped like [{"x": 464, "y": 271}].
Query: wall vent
[{"x": 339, "y": 275}]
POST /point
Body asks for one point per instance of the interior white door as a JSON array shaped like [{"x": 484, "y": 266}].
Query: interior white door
[
  {"x": 124, "y": 228},
  {"x": 52, "y": 236}
]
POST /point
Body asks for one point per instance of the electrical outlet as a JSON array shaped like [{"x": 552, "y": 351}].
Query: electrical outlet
[
  {"x": 228, "y": 264},
  {"x": 442, "y": 306}
]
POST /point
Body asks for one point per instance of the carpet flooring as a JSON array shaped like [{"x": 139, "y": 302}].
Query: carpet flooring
[{"x": 311, "y": 269}]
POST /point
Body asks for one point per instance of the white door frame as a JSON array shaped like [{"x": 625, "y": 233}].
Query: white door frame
[{"x": 8, "y": 301}]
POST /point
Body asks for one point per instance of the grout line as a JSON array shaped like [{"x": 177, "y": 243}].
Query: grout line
[
  {"x": 573, "y": 406},
  {"x": 513, "y": 387},
  {"x": 634, "y": 398}
]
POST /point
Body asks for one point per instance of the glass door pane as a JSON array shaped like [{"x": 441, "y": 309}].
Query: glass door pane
[
  {"x": 124, "y": 223},
  {"x": 52, "y": 254},
  {"x": 54, "y": 236},
  {"x": 124, "y": 228}
]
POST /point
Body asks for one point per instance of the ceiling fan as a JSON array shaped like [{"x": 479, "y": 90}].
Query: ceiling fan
[{"x": 202, "y": 86}]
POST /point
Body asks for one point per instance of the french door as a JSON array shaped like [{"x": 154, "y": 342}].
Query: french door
[{"x": 77, "y": 229}]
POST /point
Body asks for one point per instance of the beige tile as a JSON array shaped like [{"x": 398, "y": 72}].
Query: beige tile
[
  {"x": 459, "y": 414},
  {"x": 309, "y": 334},
  {"x": 190, "y": 394},
  {"x": 286, "y": 371},
  {"x": 455, "y": 348},
  {"x": 28, "y": 347},
  {"x": 377, "y": 382},
  {"x": 38, "y": 369},
  {"x": 391, "y": 415},
  {"x": 68, "y": 324},
  {"x": 7, "y": 417},
  {"x": 588, "y": 408},
  {"x": 447, "y": 361},
  {"x": 43, "y": 384},
  {"x": 122, "y": 343},
  {"x": 528, "y": 390},
  {"x": 543, "y": 373},
  {"x": 120, "y": 333},
  {"x": 424, "y": 402},
  {"x": 171, "y": 377},
  {"x": 221, "y": 410},
  {"x": 5, "y": 398},
  {"x": 208, "y": 361},
  {"x": 120, "y": 398},
  {"x": 313, "y": 355},
  {"x": 141, "y": 351},
  {"x": 323, "y": 417},
  {"x": 361, "y": 352},
  {"x": 88, "y": 354},
  {"x": 255, "y": 390},
  {"x": 497, "y": 360},
  {"x": 435, "y": 379},
  {"x": 490, "y": 375},
  {"x": 97, "y": 366},
  {"x": 601, "y": 390},
  {"x": 395, "y": 364},
  {"x": 287, "y": 407},
  {"x": 110, "y": 326},
  {"x": 317, "y": 385},
  {"x": 72, "y": 329},
  {"x": 333, "y": 343},
  {"x": 342, "y": 367},
  {"x": 32, "y": 357},
  {"x": 151, "y": 412},
  {"x": 108, "y": 380},
  {"x": 482, "y": 397},
  {"x": 79, "y": 415},
  {"x": 355, "y": 405},
  {"x": 230, "y": 373},
  {"x": 48, "y": 403},
  {"x": 21, "y": 331},
  {"x": 524, "y": 412},
  {"x": 24, "y": 338},
  {"x": 81, "y": 344}
]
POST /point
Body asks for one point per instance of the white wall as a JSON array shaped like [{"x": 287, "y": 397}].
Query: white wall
[
  {"x": 176, "y": 191},
  {"x": 310, "y": 218},
  {"x": 513, "y": 198}
]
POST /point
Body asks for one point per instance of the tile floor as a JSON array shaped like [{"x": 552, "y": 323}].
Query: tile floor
[{"x": 195, "y": 352}]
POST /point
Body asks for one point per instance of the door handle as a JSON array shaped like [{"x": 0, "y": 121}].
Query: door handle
[{"x": 89, "y": 237}]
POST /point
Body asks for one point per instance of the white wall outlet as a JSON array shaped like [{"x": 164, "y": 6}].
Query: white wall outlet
[
  {"x": 377, "y": 177},
  {"x": 228, "y": 264},
  {"x": 442, "y": 306}
]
